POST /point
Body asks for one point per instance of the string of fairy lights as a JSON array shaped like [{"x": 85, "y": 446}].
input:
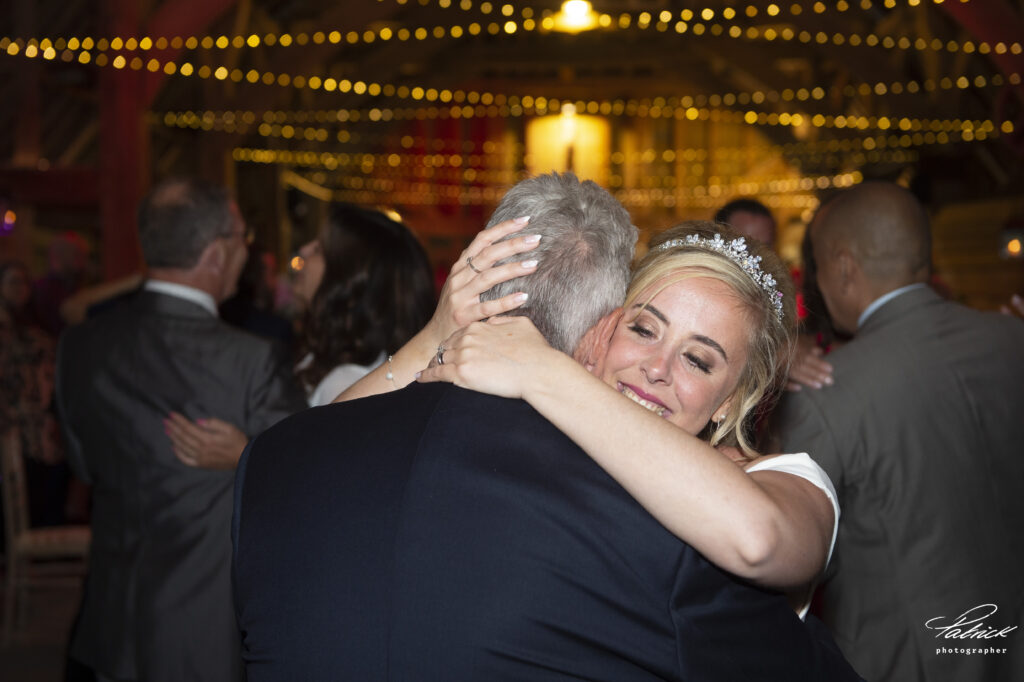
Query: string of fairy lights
[
  {"x": 242, "y": 122},
  {"x": 502, "y": 106},
  {"x": 777, "y": 192},
  {"x": 507, "y": 9},
  {"x": 437, "y": 152},
  {"x": 471, "y": 97},
  {"x": 438, "y": 147},
  {"x": 446, "y": 168},
  {"x": 643, "y": 21},
  {"x": 516, "y": 106},
  {"x": 429, "y": 103},
  {"x": 696, "y": 21},
  {"x": 541, "y": 105}
]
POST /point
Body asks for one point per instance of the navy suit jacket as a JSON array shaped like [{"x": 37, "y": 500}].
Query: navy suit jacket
[{"x": 435, "y": 533}]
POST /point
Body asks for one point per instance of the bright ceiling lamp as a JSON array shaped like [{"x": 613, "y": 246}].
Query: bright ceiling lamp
[{"x": 575, "y": 16}]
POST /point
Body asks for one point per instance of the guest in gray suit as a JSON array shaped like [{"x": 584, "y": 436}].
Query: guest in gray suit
[
  {"x": 923, "y": 436},
  {"x": 157, "y": 603}
]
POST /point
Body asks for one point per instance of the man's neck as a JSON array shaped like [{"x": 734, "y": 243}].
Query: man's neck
[
  {"x": 884, "y": 297},
  {"x": 186, "y": 278},
  {"x": 197, "y": 289}
]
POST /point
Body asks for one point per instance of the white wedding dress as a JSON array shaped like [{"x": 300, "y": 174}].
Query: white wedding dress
[{"x": 800, "y": 464}]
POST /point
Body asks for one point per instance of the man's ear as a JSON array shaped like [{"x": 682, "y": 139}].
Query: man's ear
[
  {"x": 594, "y": 345},
  {"x": 214, "y": 256},
  {"x": 846, "y": 264}
]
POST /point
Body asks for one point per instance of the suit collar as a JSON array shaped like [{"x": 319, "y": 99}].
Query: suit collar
[
  {"x": 885, "y": 298},
  {"x": 166, "y": 304},
  {"x": 183, "y": 292},
  {"x": 898, "y": 307}
]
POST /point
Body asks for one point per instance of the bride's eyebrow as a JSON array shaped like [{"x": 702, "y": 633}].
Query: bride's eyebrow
[
  {"x": 707, "y": 341},
  {"x": 654, "y": 311}
]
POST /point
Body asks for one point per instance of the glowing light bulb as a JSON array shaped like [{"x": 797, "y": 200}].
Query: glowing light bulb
[
  {"x": 575, "y": 16},
  {"x": 576, "y": 11}
]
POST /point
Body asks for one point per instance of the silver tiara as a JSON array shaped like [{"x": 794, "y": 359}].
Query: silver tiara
[{"x": 736, "y": 251}]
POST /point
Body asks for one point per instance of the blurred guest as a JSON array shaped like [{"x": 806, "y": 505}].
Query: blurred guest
[
  {"x": 67, "y": 258},
  {"x": 368, "y": 289},
  {"x": 750, "y": 218},
  {"x": 921, "y": 434},
  {"x": 817, "y": 335},
  {"x": 157, "y": 602},
  {"x": 26, "y": 392},
  {"x": 92, "y": 300},
  {"x": 252, "y": 306}
]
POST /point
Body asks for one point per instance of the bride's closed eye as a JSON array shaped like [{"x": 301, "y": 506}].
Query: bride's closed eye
[
  {"x": 641, "y": 330},
  {"x": 697, "y": 362}
]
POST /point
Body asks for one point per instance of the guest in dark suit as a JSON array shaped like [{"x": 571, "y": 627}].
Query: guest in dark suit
[
  {"x": 157, "y": 603},
  {"x": 434, "y": 533},
  {"x": 922, "y": 435}
]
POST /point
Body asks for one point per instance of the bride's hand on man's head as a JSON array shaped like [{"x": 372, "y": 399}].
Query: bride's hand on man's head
[
  {"x": 500, "y": 357},
  {"x": 473, "y": 274}
]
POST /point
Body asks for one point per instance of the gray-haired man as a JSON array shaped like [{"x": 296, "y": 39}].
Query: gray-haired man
[{"x": 434, "y": 533}]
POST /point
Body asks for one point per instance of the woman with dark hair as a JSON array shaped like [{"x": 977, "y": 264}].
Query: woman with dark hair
[{"x": 368, "y": 288}]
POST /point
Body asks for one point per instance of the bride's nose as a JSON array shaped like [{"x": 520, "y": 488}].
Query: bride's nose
[{"x": 657, "y": 366}]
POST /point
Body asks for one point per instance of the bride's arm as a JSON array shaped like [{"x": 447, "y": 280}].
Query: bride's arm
[
  {"x": 769, "y": 527},
  {"x": 459, "y": 304}
]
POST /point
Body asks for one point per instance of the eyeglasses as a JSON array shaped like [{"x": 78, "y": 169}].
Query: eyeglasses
[{"x": 247, "y": 234}]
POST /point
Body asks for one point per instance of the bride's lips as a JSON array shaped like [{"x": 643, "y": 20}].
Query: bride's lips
[{"x": 644, "y": 399}]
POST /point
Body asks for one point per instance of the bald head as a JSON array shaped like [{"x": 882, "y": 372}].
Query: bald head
[{"x": 884, "y": 228}]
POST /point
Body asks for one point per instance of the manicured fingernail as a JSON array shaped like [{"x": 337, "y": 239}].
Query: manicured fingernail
[
  {"x": 531, "y": 239},
  {"x": 522, "y": 220},
  {"x": 417, "y": 374},
  {"x": 828, "y": 381},
  {"x": 520, "y": 297},
  {"x": 1016, "y": 299},
  {"x": 529, "y": 264}
]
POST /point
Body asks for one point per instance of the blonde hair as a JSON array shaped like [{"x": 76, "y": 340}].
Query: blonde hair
[{"x": 770, "y": 337}]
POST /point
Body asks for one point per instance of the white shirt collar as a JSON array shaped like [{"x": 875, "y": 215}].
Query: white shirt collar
[
  {"x": 186, "y": 292},
  {"x": 883, "y": 299}
]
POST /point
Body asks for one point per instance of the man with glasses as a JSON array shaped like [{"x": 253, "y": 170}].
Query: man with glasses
[{"x": 157, "y": 603}]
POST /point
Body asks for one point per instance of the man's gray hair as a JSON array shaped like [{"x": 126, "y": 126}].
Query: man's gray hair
[
  {"x": 179, "y": 218},
  {"x": 584, "y": 254}
]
